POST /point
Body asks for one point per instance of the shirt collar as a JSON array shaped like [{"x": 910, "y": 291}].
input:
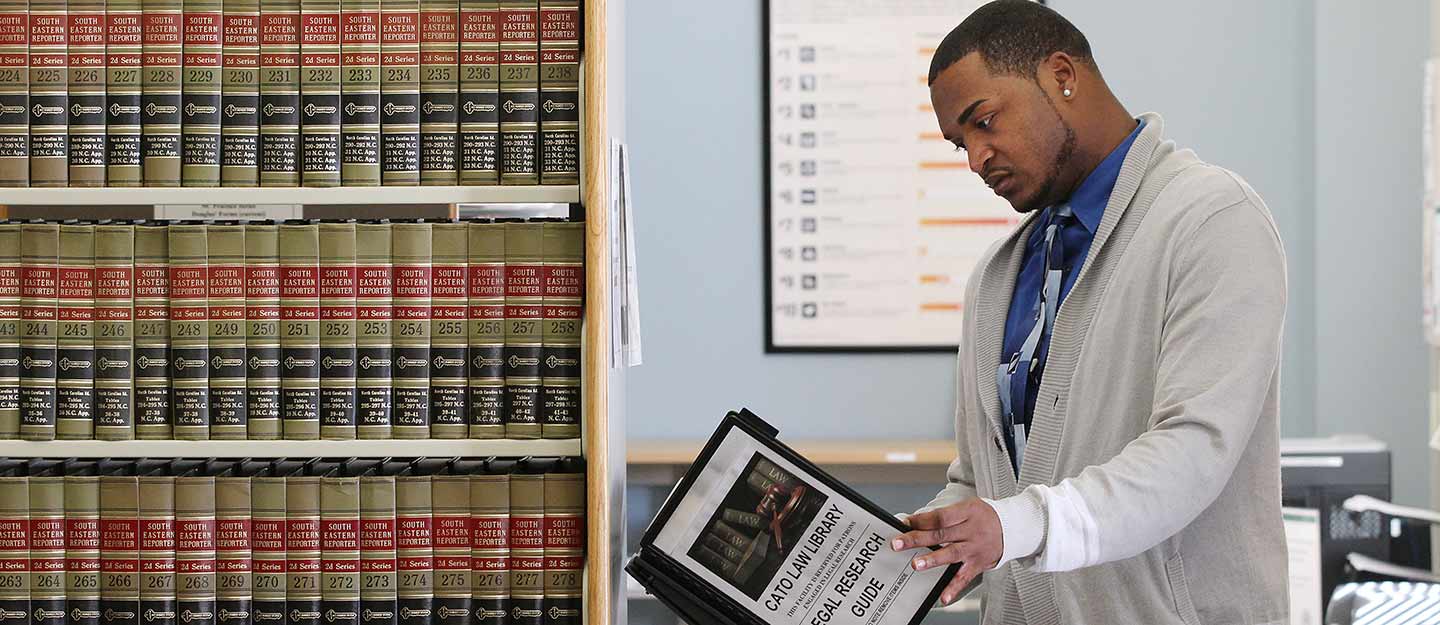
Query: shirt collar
[{"x": 1089, "y": 199}]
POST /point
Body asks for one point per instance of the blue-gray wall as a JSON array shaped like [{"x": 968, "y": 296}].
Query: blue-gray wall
[{"x": 1315, "y": 103}]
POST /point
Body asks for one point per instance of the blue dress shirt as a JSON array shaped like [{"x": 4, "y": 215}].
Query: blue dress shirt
[{"x": 1088, "y": 202}]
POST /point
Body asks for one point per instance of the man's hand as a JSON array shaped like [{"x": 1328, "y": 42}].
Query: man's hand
[{"x": 969, "y": 532}]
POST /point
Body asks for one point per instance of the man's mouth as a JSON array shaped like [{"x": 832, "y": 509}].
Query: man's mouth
[{"x": 998, "y": 182}]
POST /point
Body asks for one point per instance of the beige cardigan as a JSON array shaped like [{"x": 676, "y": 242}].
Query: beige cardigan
[{"x": 1158, "y": 407}]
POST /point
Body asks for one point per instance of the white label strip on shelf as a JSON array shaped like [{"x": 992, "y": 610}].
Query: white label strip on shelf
[
  {"x": 229, "y": 211},
  {"x": 294, "y": 449},
  {"x": 502, "y": 210}
]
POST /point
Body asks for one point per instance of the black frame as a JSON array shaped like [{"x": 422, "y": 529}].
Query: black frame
[{"x": 770, "y": 346}]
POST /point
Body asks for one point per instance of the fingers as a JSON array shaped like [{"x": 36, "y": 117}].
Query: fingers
[
  {"x": 953, "y": 514},
  {"x": 927, "y": 538},
  {"x": 962, "y": 580},
  {"x": 950, "y": 554}
]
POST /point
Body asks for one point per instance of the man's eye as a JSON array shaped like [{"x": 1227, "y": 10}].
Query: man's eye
[{"x": 984, "y": 123}]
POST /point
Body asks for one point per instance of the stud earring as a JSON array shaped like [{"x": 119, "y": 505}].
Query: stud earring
[{"x": 1066, "y": 92}]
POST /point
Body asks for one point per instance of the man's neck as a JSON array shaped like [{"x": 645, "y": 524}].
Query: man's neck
[{"x": 1108, "y": 133}]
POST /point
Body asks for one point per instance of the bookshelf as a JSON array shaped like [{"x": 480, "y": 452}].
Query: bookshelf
[
  {"x": 557, "y": 194},
  {"x": 291, "y": 449}
]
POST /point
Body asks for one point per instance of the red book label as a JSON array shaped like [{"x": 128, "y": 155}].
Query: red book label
[
  {"x": 304, "y": 565},
  {"x": 526, "y": 532},
  {"x": 120, "y": 535},
  {"x": 242, "y": 30},
  {"x": 82, "y": 533},
  {"x": 377, "y": 535},
  {"x": 501, "y": 563},
  {"x": 448, "y": 281},
  {"x": 232, "y": 535},
  {"x": 519, "y": 57},
  {"x": 528, "y": 311},
  {"x": 373, "y": 281},
  {"x": 202, "y": 28},
  {"x": 527, "y": 563},
  {"x": 360, "y": 27},
  {"x": 487, "y": 280},
  {"x": 47, "y": 534},
  {"x": 14, "y": 534},
  {"x": 340, "y": 535},
  {"x": 552, "y": 57},
  {"x": 231, "y": 565},
  {"x": 13, "y": 29},
  {"x": 262, "y": 281},
  {"x": 452, "y": 531},
  {"x": 268, "y": 535},
  {"x": 562, "y": 563},
  {"x": 87, "y": 29},
  {"x": 195, "y": 566},
  {"x": 415, "y": 564},
  {"x": 438, "y": 26},
  {"x": 412, "y": 281},
  {"x": 517, "y": 25},
  {"x": 377, "y": 566},
  {"x": 490, "y": 533},
  {"x": 413, "y": 533},
  {"x": 320, "y": 29},
  {"x": 227, "y": 281},
  {"x": 302, "y": 535},
  {"x": 299, "y": 282},
  {"x": 279, "y": 29},
  {"x": 479, "y": 27},
  {"x": 331, "y": 565},
  {"x": 564, "y": 532},
  {"x": 47, "y": 565},
  {"x": 47, "y": 30},
  {"x": 112, "y": 565},
  {"x": 187, "y": 283},
  {"x": 269, "y": 566},
  {"x": 37, "y": 282},
  {"x": 157, "y": 535},
  {"x": 77, "y": 283},
  {"x": 112, "y": 283},
  {"x": 157, "y": 565},
  {"x": 400, "y": 28},
  {"x": 194, "y": 535},
  {"x": 452, "y": 563},
  {"x": 560, "y": 24},
  {"x": 83, "y": 565},
  {"x": 161, "y": 29},
  {"x": 523, "y": 280},
  {"x": 337, "y": 282}
]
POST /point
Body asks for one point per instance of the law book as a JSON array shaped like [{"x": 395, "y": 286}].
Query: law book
[
  {"x": 49, "y": 108},
  {"x": 564, "y": 290},
  {"x": 360, "y": 93},
  {"x": 267, "y": 510},
  {"x": 75, "y": 349},
  {"x": 411, "y": 254},
  {"x": 415, "y": 551},
  {"x": 86, "y": 92},
  {"x": 374, "y": 396},
  {"x": 114, "y": 331},
  {"x": 449, "y": 335},
  {"x": 262, "y": 330},
  {"x": 279, "y": 93},
  {"x": 338, "y": 329},
  {"x": 519, "y": 92},
  {"x": 195, "y": 549},
  {"x": 300, "y": 329},
  {"x": 152, "y": 331},
  {"x": 39, "y": 260},
  {"x": 14, "y": 93},
  {"x": 527, "y": 547},
  {"x": 450, "y": 517},
  {"x": 47, "y": 550},
  {"x": 123, "y": 63},
  {"x": 378, "y": 581},
  {"x": 490, "y": 545},
  {"x": 320, "y": 93},
  {"x": 340, "y": 550},
  {"x": 302, "y": 551},
  {"x": 233, "y": 594},
  {"x": 189, "y": 326},
  {"x": 157, "y": 549},
  {"x": 9, "y": 329},
  {"x": 439, "y": 91},
  {"x": 560, "y": 91},
  {"x": 82, "y": 547},
  {"x": 225, "y": 297},
  {"x": 523, "y": 333},
  {"x": 120, "y": 549},
  {"x": 162, "y": 28},
  {"x": 564, "y": 542},
  {"x": 479, "y": 107},
  {"x": 15, "y": 548},
  {"x": 200, "y": 95},
  {"x": 240, "y": 94},
  {"x": 486, "y": 318},
  {"x": 400, "y": 92}
]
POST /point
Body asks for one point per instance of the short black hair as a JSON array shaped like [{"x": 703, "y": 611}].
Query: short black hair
[{"x": 1012, "y": 37}]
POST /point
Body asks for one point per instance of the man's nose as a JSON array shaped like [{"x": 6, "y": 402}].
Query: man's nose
[{"x": 977, "y": 156}]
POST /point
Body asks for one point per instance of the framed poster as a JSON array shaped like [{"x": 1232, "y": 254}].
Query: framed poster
[{"x": 872, "y": 222}]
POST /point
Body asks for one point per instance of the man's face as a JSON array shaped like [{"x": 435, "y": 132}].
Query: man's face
[{"x": 1014, "y": 137}]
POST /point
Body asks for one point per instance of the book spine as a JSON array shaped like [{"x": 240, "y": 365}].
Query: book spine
[
  {"x": 200, "y": 95},
  {"x": 415, "y": 551},
  {"x": 75, "y": 349},
  {"x": 479, "y": 92},
  {"x": 337, "y": 330},
  {"x": 120, "y": 549},
  {"x": 487, "y": 329},
  {"x": 340, "y": 550},
  {"x": 490, "y": 548},
  {"x": 360, "y": 93},
  {"x": 14, "y": 93},
  {"x": 9, "y": 329},
  {"x": 527, "y": 548},
  {"x": 195, "y": 549},
  {"x": 564, "y": 547},
  {"x": 114, "y": 332},
  {"x": 279, "y": 93},
  {"x": 302, "y": 551},
  {"x": 300, "y": 330},
  {"x": 267, "y": 510},
  {"x": 240, "y": 94},
  {"x": 47, "y": 550},
  {"x": 161, "y": 28},
  {"x": 233, "y": 604},
  {"x": 82, "y": 550},
  {"x": 320, "y": 93},
  {"x": 378, "y": 581},
  {"x": 189, "y": 327},
  {"x": 123, "y": 62},
  {"x": 15, "y": 549},
  {"x": 439, "y": 91},
  {"x": 411, "y": 329},
  {"x": 449, "y": 417},
  {"x": 152, "y": 332},
  {"x": 523, "y": 336},
  {"x": 225, "y": 296},
  {"x": 451, "y": 521},
  {"x": 86, "y": 87},
  {"x": 262, "y": 330},
  {"x": 374, "y": 396},
  {"x": 519, "y": 91},
  {"x": 564, "y": 288},
  {"x": 39, "y": 260},
  {"x": 400, "y": 92},
  {"x": 157, "y": 550},
  {"x": 560, "y": 91},
  {"x": 49, "y": 105}
]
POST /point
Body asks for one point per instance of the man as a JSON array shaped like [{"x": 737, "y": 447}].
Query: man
[{"x": 1119, "y": 361}]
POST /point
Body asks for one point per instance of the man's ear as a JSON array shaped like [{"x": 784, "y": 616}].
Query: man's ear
[{"x": 1057, "y": 74}]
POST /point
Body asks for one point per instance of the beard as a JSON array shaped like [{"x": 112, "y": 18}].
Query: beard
[{"x": 1045, "y": 196}]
